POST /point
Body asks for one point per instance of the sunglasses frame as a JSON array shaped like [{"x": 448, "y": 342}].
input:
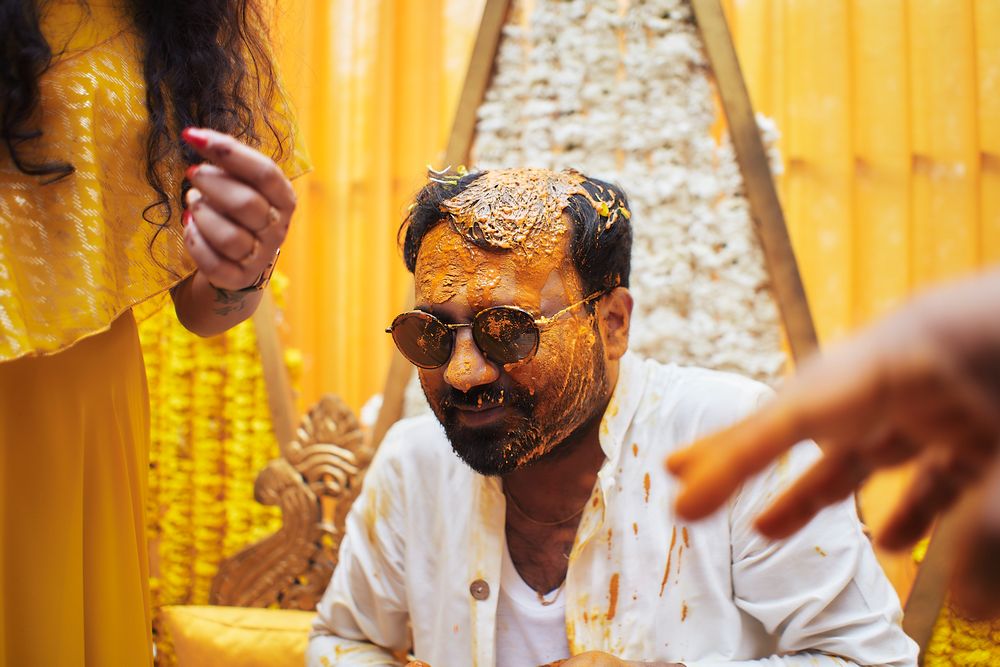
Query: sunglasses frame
[{"x": 541, "y": 323}]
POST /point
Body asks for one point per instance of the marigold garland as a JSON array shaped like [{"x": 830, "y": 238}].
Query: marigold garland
[
  {"x": 211, "y": 435},
  {"x": 959, "y": 641}
]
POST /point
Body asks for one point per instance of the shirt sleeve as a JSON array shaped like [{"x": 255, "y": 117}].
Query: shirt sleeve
[
  {"x": 363, "y": 617},
  {"x": 820, "y": 592}
]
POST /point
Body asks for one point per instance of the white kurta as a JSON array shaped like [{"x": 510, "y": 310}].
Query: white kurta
[{"x": 425, "y": 540}]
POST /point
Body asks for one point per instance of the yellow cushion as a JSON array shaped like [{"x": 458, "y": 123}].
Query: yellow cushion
[{"x": 210, "y": 636}]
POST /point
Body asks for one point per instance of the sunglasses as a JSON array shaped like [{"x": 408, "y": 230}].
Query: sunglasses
[{"x": 504, "y": 334}]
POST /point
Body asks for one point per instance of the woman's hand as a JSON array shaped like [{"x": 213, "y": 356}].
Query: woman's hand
[{"x": 239, "y": 208}]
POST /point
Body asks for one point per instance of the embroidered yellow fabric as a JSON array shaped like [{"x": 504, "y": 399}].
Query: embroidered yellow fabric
[{"x": 77, "y": 253}]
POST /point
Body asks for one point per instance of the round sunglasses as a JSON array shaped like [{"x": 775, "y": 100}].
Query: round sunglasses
[{"x": 504, "y": 334}]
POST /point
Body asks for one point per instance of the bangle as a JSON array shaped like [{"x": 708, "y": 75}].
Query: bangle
[{"x": 265, "y": 276}]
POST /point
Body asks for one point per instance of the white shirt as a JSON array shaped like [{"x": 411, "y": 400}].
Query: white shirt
[
  {"x": 425, "y": 542},
  {"x": 531, "y": 628}
]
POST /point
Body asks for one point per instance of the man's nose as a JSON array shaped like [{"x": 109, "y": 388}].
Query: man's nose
[{"x": 467, "y": 367}]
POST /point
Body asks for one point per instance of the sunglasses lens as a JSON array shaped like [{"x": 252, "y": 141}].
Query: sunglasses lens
[
  {"x": 505, "y": 335},
  {"x": 422, "y": 339}
]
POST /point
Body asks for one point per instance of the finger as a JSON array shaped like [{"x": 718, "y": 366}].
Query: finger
[
  {"x": 713, "y": 468},
  {"x": 976, "y": 581},
  {"x": 830, "y": 480},
  {"x": 221, "y": 272},
  {"x": 842, "y": 470},
  {"x": 938, "y": 401},
  {"x": 234, "y": 199},
  {"x": 935, "y": 488},
  {"x": 244, "y": 163},
  {"x": 836, "y": 396},
  {"x": 230, "y": 241}
]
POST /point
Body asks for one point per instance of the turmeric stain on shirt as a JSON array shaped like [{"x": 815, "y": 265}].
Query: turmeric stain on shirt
[
  {"x": 670, "y": 556},
  {"x": 613, "y": 592}
]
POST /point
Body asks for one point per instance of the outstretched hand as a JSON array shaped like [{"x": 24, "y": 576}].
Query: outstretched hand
[{"x": 922, "y": 384}]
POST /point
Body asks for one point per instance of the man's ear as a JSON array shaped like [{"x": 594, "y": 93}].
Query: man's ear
[{"x": 614, "y": 312}]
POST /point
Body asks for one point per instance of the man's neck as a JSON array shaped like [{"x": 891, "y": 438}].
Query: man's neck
[
  {"x": 544, "y": 505},
  {"x": 557, "y": 485}
]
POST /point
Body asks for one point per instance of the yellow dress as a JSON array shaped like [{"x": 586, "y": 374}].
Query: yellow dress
[{"x": 76, "y": 259}]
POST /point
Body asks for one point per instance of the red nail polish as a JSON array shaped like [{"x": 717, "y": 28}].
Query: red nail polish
[
  {"x": 186, "y": 218},
  {"x": 191, "y": 171},
  {"x": 195, "y": 138}
]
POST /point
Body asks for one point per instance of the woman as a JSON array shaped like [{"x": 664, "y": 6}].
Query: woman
[{"x": 93, "y": 228}]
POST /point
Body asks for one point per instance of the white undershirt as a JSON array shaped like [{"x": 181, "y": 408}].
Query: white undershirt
[{"x": 528, "y": 632}]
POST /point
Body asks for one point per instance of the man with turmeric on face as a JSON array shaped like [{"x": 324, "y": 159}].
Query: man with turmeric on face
[{"x": 530, "y": 519}]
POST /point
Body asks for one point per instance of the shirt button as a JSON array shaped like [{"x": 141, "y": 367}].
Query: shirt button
[{"x": 479, "y": 589}]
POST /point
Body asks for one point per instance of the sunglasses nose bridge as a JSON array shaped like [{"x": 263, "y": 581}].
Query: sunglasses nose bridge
[{"x": 468, "y": 367}]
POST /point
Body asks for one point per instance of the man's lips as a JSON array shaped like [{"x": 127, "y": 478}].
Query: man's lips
[
  {"x": 483, "y": 407},
  {"x": 479, "y": 415}
]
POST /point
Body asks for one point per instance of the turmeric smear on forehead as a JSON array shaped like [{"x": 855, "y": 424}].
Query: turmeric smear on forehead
[{"x": 514, "y": 208}]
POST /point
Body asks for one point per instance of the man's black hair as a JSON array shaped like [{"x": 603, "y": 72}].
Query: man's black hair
[{"x": 601, "y": 254}]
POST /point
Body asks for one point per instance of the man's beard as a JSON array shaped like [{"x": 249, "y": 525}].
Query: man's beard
[{"x": 525, "y": 434}]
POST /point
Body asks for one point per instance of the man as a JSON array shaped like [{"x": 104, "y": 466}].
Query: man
[
  {"x": 922, "y": 384},
  {"x": 531, "y": 520}
]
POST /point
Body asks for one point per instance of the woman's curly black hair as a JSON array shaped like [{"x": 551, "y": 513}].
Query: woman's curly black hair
[{"x": 205, "y": 64}]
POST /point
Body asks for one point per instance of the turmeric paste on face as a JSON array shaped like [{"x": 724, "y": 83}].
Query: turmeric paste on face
[{"x": 518, "y": 216}]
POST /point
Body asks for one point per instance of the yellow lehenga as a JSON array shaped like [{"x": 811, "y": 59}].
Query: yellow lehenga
[
  {"x": 78, "y": 265},
  {"x": 74, "y": 431}
]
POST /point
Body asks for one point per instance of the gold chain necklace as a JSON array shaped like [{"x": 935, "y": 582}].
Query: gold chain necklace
[{"x": 559, "y": 522}]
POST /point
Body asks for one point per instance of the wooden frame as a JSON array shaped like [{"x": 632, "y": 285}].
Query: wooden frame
[{"x": 765, "y": 208}]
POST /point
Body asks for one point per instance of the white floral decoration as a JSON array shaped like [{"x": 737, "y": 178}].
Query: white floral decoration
[{"x": 622, "y": 93}]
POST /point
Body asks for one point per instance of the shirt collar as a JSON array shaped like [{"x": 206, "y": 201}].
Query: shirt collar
[{"x": 623, "y": 404}]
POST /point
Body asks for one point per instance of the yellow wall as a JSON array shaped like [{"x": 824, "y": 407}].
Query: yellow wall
[
  {"x": 374, "y": 84},
  {"x": 890, "y": 111},
  {"x": 890, "y": 114}
]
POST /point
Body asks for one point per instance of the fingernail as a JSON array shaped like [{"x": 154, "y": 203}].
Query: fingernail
[
  {"x": 186, "y": 218},
  {"x": 195, "y": 137},
  {"x": 192, "y": 197},
  {"x": 191, "y": 171}
]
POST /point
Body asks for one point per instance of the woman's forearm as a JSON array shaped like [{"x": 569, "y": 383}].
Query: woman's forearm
[{"x": 207, "y": 310}]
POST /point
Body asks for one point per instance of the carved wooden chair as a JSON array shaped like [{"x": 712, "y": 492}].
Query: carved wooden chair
[{"x": 313, "y": 483}]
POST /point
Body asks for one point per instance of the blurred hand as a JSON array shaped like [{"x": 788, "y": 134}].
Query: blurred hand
[
  {"x": 922, "y": 384},
  {"x": 239, "y": 208}
]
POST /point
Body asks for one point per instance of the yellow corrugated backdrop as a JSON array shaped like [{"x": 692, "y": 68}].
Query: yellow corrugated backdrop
[{"x": 889, "y": 110}]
